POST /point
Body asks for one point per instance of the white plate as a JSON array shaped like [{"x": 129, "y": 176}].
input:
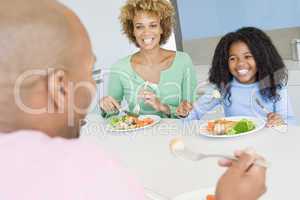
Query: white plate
[
  {"x": 156, "y": 119},
  {"x": 195, "y": 195},
  {"x": 259, "y": 124}
]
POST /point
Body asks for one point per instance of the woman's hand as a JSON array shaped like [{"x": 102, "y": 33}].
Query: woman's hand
[
  {"x": 243, "y": 179},
  {"x": 151, "y": 99},
  {"x": 184, "y": 109},
  {"x": 274, "y": 119},
  {"x": 109, "y": 104}
]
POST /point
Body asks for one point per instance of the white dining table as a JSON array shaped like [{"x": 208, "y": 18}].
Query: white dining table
[{"x": 146, "y": 154}]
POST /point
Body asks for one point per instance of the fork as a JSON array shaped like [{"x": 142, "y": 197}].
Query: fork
[
  {"x": 137, "y": 108},
  {"x": 154, "y": 195},
  {"x": 261, "y": 106},
  {"x": 280, "y": 128},
  {"x": 178, "y": 148}
]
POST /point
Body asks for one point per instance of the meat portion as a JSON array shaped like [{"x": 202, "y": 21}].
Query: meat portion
[{"x": 220, "y": 127}]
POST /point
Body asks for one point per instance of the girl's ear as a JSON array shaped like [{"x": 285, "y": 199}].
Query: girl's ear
[{"x": 58, "y": 90}]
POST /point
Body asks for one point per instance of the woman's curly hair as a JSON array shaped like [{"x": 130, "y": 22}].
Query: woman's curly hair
[
  {"x": 271, "y": 71},
  {"x": 161, "y": 8}
]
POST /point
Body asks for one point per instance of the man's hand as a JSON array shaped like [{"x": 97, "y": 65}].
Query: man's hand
[{"x": 243, "y": 180}]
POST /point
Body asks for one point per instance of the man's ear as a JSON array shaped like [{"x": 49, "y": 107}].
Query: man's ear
[{"x": 58, "y": 89}]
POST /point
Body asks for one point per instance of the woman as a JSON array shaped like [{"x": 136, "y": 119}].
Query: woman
[{"x": 156, "y": 79}]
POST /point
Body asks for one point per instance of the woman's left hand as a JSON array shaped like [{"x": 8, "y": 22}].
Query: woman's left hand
[
  {"x": 151, "y": 99},
  {"x": 274, "y": 119},
  {"x": 184, "y": 109}
]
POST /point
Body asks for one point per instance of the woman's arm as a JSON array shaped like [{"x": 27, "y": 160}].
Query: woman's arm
[
  {"x": 189, "y": 83},
  {"x": 115, "y": 87},
  {"x": 111, "y": 102}
]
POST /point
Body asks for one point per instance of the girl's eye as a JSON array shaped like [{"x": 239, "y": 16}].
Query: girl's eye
[
  {"x": 153, "y": 25},
  {"x": 231, "y": 59}
]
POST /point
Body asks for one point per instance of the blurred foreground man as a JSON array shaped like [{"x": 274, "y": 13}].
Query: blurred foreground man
[{"x": 46, "y": 86}]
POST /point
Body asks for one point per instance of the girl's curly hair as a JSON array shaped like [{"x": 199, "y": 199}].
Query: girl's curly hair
[
  {"x": 161, "y": 8},
  {"x": 271, "y": 71}
]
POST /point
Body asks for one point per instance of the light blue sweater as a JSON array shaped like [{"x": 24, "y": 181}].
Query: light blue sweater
[{"x": 243, "y": 103}]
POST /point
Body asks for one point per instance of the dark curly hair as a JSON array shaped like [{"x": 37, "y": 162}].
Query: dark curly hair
[{"x": 271, "y": 71}]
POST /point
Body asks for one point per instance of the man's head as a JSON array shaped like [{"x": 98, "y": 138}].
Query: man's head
[{"x": 45, "y": 68}]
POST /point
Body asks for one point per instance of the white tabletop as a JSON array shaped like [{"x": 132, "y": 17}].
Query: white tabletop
[{"x": 146, "y": 154}]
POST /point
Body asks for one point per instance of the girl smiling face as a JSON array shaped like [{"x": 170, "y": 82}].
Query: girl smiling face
[
  {"x": 241, "y": 63},
  {"x": 147, "y": 30}
]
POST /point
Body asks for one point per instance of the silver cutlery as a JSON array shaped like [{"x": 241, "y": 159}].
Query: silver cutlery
[
  {"x": 261, "y": 106},
  {"x": 150, "y": 194},
  {"x": 178, "y": 148},
  {"x": 280, "y": 128},
  {"x": 125, "y": 111}
]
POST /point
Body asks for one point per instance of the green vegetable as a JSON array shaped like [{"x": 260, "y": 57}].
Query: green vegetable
[
  {"x": 115, "y": 120},
  {"x": 242, "y": 126}
]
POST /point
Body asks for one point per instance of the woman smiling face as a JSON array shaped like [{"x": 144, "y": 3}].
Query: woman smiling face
[{"x": 147, "y": 30}]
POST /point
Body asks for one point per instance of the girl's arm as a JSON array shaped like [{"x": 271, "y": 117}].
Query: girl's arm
[
  {"x": 204, "y": 104},
  {"x": 284, "y": 108}
]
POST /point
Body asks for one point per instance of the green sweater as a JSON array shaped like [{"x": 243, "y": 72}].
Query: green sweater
[{"x": 177, "y": 83}]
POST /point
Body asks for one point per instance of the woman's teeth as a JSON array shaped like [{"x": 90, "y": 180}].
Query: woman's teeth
[
  {"x": 243, "y": 72},
  {"x": 148, "y": 41}
]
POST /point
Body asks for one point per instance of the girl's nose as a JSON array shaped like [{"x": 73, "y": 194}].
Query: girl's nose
[{"x": 241, "y": 62}]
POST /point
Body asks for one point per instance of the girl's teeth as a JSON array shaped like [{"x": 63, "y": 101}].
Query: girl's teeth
[{"x": 243, "y": 72}]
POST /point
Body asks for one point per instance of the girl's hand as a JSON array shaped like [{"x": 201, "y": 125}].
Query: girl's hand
[
  {"x": 151, "y": 99},
  {"x": 109, "y": 104},
  {"x": 274, "y": 119},
  {"x": 184, "y": 109}
]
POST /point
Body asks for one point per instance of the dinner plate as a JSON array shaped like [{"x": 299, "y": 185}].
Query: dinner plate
[
  {"x": 259, "y": 124},
  {"x": 195, "y": 195},
  {"x": 156, "y": 120}
]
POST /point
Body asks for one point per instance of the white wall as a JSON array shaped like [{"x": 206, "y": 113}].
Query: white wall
[{"x": 101, "y": 20}]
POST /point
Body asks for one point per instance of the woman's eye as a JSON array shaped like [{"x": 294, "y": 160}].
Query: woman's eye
[
  {"x": 248, "y": 56},
  {"x": 153, "y": 25},
  {"x": 138, "y": 27}
]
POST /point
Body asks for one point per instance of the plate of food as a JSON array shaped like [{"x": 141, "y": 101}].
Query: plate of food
[
  {"x": 126, "y": 123},
  {"x": 202, "y": 194},
  {"x": 231, "y": 126}
]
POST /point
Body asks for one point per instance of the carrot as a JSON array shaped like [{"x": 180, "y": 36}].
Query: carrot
[
  {"x": 148, "y": 121},
  {"x": 210, "y": 126},
  {"x": 210, "y": 197}
]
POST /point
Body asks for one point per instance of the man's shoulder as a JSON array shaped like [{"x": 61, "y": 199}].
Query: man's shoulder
[
  {"x": 77, "y": 165},
  {"x": 27, "y": 142}
]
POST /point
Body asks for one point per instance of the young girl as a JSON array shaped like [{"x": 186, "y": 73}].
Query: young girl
[{"x": 251, "y": 78}]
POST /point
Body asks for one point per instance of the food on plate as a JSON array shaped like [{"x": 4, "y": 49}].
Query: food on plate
[
  {"x": 127, "y": 122},
  {"x": 210, "y": 197},
  {"x": 229, "y": 127}
]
